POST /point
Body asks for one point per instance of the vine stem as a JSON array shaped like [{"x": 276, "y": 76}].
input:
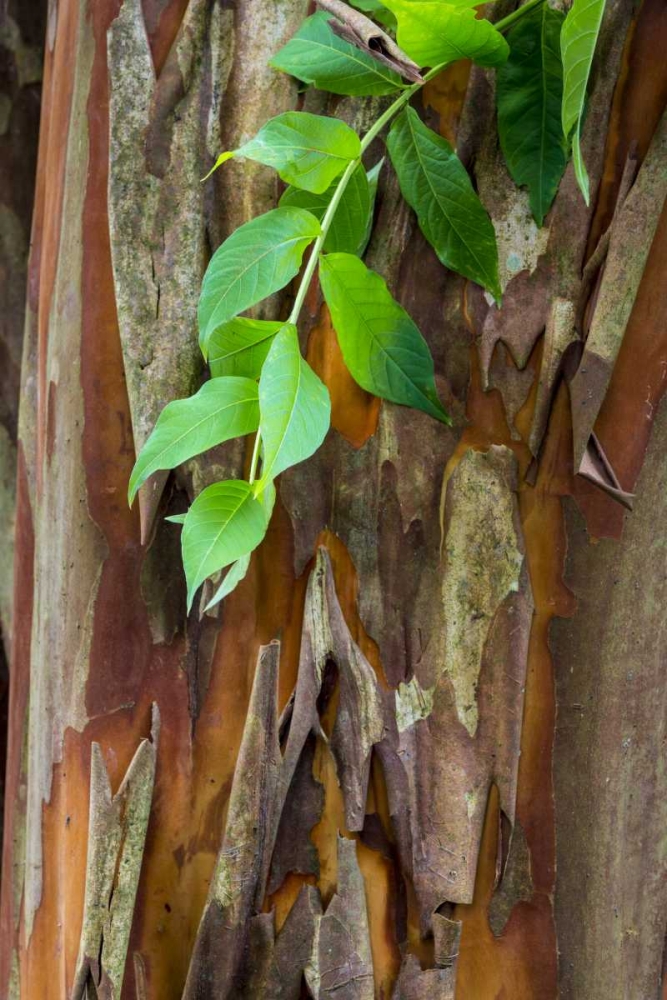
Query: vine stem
[
  {"x": 372, "y": 133},
  {"x": 255, "y": 458}
]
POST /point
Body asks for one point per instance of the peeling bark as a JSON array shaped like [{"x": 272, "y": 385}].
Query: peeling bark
[{"x": 435, "y": 681}]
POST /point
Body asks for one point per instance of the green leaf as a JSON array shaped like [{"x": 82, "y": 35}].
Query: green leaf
[
  {"x": 224, "y": 523},
  {"x": 238, "y": 570},
  {"x": 240, "y": 346},
  {"x": 382, "y": 347},
  {"x": 376, "y": 10},
  {"x": 433, "y": 32},
  {"x": 529, "y": 91},
  {"x": 452, "y": 218},
  {"x": 309, "y": 151},
  {"x": 233, "y": 577},
  {"x": 255, "y": 261},
  {"x": 350, "y": 224},
  {"x": 222, "y": 409},
  {"x": 294, "y": 406},
  {"x": 577, "y": 44},
  {"x": 373, "y": 176},
  {"x": 176, "y": 518},
  {"x": 318, "y": 56}
]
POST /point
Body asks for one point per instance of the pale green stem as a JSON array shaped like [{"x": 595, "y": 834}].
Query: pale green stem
[
  {"x": 255, "y": 458},
  {"x": 372, "y": 133}
]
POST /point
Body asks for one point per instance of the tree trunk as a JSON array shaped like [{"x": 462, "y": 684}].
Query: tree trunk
[{"x": 420, "y": 750}]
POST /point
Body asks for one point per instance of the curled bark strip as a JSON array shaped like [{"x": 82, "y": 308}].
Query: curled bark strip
[
  {"x": 116, "y": 836},
  {"x": 237, "y": 886},
  {"x": 599, "y": 255},
  {"x": 629, "y": 245},
  {"x": 275, "y": 964},
  {"x": 360, "y": 718},
  {"x": 437, "y": 983},
  {"x": 358, "y": 29},
  {"x": 469, "y": 738},
  {"x": 341, "y": 965},
  {"x": 596, "y": 467}
]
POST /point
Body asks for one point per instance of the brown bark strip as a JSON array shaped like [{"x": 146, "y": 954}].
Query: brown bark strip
[
  {"x": 631, "y": 237},
  {"x": 117, "y": 833},
  {"x": 453, "y": 721},
  {"x": 239, "y": 879},
  {"x": 275, "y": 964},
  {"x": 61, "y": 628},
  {"x": 471, "y": 737},
  {"x": 542, "y": 268},
  {"x": 360, "y": 712},
  {"x": 162, "y": 136},
  {"x": 611, "y": 890},
  {"x": 341, "y": 966}
]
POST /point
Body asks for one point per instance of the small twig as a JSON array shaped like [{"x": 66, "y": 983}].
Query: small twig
[{"x": 359, "y": 30}]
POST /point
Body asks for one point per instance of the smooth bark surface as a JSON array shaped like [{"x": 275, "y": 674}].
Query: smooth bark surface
[{"x": 420, "y": 750}]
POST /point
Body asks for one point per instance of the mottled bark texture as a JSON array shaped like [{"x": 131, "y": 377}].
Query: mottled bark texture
[{"x": 420, "y": 751}]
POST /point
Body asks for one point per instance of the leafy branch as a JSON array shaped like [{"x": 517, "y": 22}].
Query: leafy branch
[{"x": 260, "y": 382}]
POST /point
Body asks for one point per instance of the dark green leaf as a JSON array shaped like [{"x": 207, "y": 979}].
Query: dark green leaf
[
  {"x": 224, "y": 523},
  {"x": 433, "y": 32},
  {"x": 294, "y": 406},
  {"x": 240, "y": 346},
  {"x": 577, "y": 41},
  {"x": 318, "y": 56},
  {"x": 257, "y": 260},
  {"x": 350, "y": 224},
  {"x": 222, "y": 409},
  {"x": 529, "y": 91},
  {"x": 382, "y": 347},
  {"x": 452, "y": 218},
  {"x": 309, "y": 151}
]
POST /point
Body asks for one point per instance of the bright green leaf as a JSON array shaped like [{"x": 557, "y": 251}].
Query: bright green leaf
[
  {"x": 176, "y": 518},
  {"x": 294, "y": 406},
  {"x": 240, "y": 346},
  {"x": 452, "y": 218},
  {"x": 232, "y": 578},
  {"x": 222, "y": 409},
  {"x": 309, "y": 151},
  {"x": 529, "y": 90},
  {"x": 376, "y": 10},
  {"x": 434, "y": 32},
  {"x": 254, "y": 262},
  {"x": 350, "y": 224},
  {"x": 382, "y": 347},
  {"x": 318, "y": 56},
  {"x": 577, "y": 42},
  {"x": 224, "y": 523},
  {"x": 238, "y": 570}
]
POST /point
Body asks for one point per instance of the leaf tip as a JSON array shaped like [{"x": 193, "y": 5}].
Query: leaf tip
[{"x": 218, "y": 163}]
